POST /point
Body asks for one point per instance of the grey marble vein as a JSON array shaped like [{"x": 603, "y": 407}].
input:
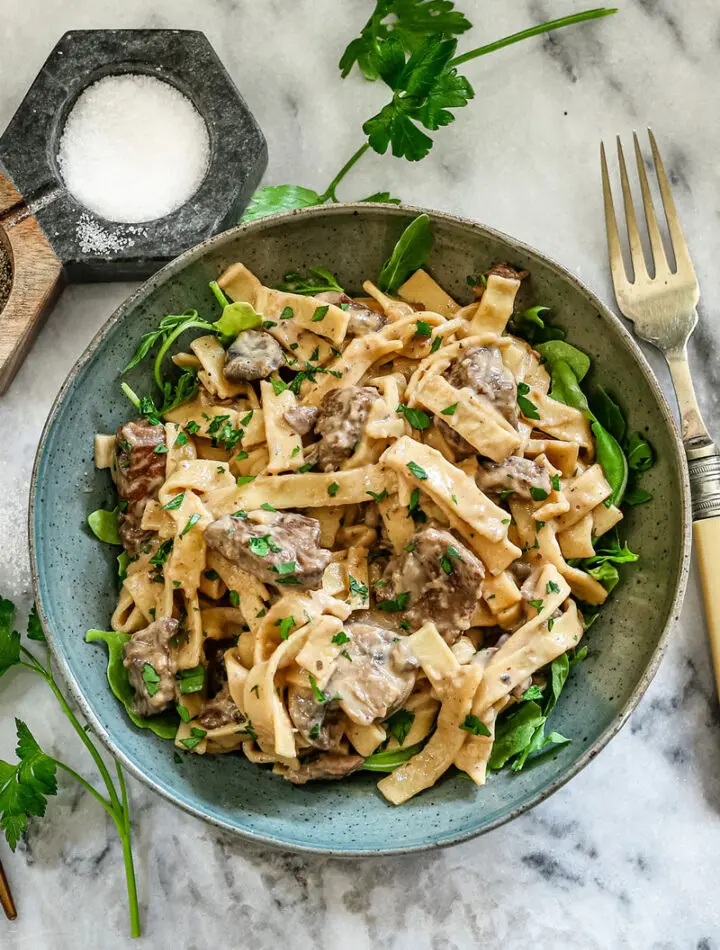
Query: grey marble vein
[{"x": 626, "y": 856}]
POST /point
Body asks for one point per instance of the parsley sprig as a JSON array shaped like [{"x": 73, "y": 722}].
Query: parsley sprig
[
  {"x": 25, "y": 786},
  {"x": 410, "y": 46}
]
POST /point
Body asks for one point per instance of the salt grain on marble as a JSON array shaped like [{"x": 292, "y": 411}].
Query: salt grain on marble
[{"x": 133, "y": 148}]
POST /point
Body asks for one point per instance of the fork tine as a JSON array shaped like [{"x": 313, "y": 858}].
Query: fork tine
[
  {"x": 617, "y": 267},
  {"x": 677, "y": 239},
  {"x": 658, "y": 250},
  {"x": 636, "y": 251}
]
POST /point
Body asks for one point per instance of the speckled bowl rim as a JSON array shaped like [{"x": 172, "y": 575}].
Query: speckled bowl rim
[{"x": 195, "y": 253}]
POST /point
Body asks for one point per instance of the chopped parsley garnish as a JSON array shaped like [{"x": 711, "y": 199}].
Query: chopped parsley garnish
[
  {"x": 409, "y": 548},
  {"x": 320, "y": 697},
  {"x": 183, "y": 712},
  {"x": 285, "y": 625},
  {"x": 151, "y": 679},
  {"x": 449, "y": 410},
  {"x": 400, "y": 724},
  {"x": 416, "y": 417},
  {"x": 415, "y": 511},
  {"x": 174, "y": 503},
  {"x": 267, "y": 506},
  {"x": 537, "y": 604},
  {"x": 241, "y": 456},
  {"x": 552, "y": 588},
  {"x": 446, "y": 564},
  {"x": 333, "y": 489},
  {"x": 278, "y": 385},
  {"x": 195, "y": 738},
  {"x": 394, "y": 606},
  {"x": 506, "y": 521},
  {"x": 475, "y": 726},
  {"x": 315, "y": 731},
  {"x": 436, "y": 344},
  {"x": 341, "y": 637},
  {"x": 180, "y": 439},
  {"x": 378, "y": 496},
  {"x": 269, "y": 324},
  {"x": 305, "y": 468},
  {"x": 454, "y": 553},
  {"x": 192, "y": 520},
  {"x": 417, "y": 470},
  {"x": 162, "y": 553},
  {"x": 538, "y": 494},
  {"x": 240, "y": 513},
  {"x": 191, "y": 681},
  {"x": 527, "y": 408},
  {"x": 315, "y": 355},
  {"x": 160, "y": 449},
  {"x": 319, "y": 314},
  {"x": 286, "y": 567},
  {"x": 234, "y": 598},
  {"x": 423, "y": 329},
  {"x": 404, "y": 624},
  {"x": 506, "y": 493},
  {"x": 555, "y": 482},
  {"x": 295, "y": 451},
  {"x": 245, "y": 421},
  {"x": 211, "y": 575},
  {"x": 360, "y": 590},
  {"x": 287, "y": 314},
  {"x": 550, "y": 624},
  {"x": 263, "y": 545},
  {"x": 217, "y": 424},
  {"x": 192, "y": 427},
  {"x": 248, "y": 729},
  {"x": 244, "y": 480}
]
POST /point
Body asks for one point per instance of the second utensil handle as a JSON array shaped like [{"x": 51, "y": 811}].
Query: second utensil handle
[
  {"x": 704, "y": 472},
  {"x": 706, "y": 535}
]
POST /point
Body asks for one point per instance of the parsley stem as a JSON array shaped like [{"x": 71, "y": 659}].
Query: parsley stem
[
  {"x": 126, "y": 838},
  {"x": 533, "y": 31},
  {"x": 329, "y": 192}
]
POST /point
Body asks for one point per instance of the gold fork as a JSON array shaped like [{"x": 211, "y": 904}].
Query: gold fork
[{"x": 662, "y": 309}]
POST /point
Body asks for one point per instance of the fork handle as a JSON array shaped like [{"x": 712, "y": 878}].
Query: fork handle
[{"x": 704, "y": 471}]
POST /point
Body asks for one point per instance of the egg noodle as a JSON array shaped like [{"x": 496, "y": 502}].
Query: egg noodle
[{"x": 448, "y": 535}]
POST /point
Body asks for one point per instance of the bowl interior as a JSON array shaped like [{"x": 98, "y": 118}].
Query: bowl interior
[{"x": 76, "y": 580}]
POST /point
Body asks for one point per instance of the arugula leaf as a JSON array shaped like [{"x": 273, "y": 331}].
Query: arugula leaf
[
  {"x": 103, "y": 525},
  {"x": 530, "y": 326},
  {"x": 400, "y": 724},
  {"x": 412, "y": 21},
  {"x": 613, "y": 461},
  {"x": 272, "y": 199},
  {"x": 235, "y": 318},
  {"x": 637, "y": 496},
  {"x": 165, "y": 724},
  {"x": 514, "y": 733},
  {"x": 608, "y": 413},
  {"x": 409, "y": 254},
  {"x": 319, "y": 280},
  {"x": 389, "y": 761},
  {"x": 565, "y": 387},
  {"x": 607, "y": 574},
  {"x": 24, "y": 787},
  {"x": 640, "y": 454},
  {"x": 558, "y": 351}
]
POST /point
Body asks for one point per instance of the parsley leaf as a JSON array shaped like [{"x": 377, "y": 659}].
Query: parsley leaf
[
  {"x": 151, "y": 679},
  {"x": 527, "y": 407},
  {"x": 394, "y": 606},
  {"x": 358, "y": 589},
  {"x": 191, "y": 522},
  {"x": 192, "y": 680},
  {"x": 24, "y": 787},
  {"x": 400, "y": 724},
  {"x": 417, "y": 470},
  {"x": 475, "y": 726},
  {"x": 273, "y": 199},
  {"x": 416, "y": 417},
  {"x": 378, "y": 496},
  {"x": 320, "y": 697},
  {"x": 341, "y": 637},
  {"x": 449, "y": 410},
  {"x": 285, "y": 625},
  {"x": 9, "y": 638},
  {"x": 175, "y": 502}
]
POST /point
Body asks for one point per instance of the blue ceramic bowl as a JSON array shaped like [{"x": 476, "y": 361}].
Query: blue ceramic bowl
[{"x": 75, "y": 576}]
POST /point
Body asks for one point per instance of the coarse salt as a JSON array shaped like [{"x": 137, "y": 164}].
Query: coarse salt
[{"x": 134, "y": 148}]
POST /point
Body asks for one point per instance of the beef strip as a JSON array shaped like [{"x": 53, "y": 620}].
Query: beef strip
[
  {"x": 326, "y": 766},
  {"x": 369, "y": 681},
  {"x": 442, "y": 578},
  {"x": 301, "y": 419},
  {"x": 264, "y": 543},
  {"x": 318, "y": 723},
  {"x": 482, "y": 370},
  {"x": 362, "y": 319},
  {"x": 151, "y": 668},
  {"x": 515, "y": 474},
  {"x": 139, "y": 473},
  {"x": 220, "y": 711},
  {"x": 343, "y": 414},
  {"x": 253, "y": 355}
]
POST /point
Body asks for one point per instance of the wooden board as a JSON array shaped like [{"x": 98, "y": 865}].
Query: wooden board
[{"x": 37, "y": 281}]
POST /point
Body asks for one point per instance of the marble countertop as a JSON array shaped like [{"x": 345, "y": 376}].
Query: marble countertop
[{"x": 626, "y": 855}]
